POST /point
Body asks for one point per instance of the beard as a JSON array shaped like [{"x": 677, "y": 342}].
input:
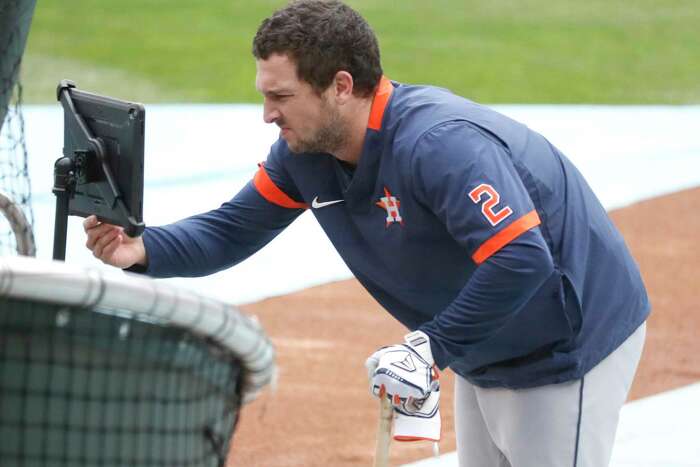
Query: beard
[{"x": 328, "y": 138}]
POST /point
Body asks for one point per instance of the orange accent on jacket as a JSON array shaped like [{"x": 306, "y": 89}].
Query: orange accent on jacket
[
  {"x": 381, "y": 99},
  {"x": 268, "y": 190},
  {"x": 505, "y": 236}
]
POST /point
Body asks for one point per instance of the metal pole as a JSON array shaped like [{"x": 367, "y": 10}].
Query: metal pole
[{"x": 63, "y": 177}]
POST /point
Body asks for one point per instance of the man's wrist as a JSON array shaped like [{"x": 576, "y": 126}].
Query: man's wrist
[
  {"x": 143, "y": 261},
  {"x": 140, "y": 266}
]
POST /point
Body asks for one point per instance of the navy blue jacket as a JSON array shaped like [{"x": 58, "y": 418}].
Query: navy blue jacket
[{"x": 460, "y": 222}]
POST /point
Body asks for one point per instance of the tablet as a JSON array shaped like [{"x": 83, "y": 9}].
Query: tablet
[{"x": 104, "y": 137}]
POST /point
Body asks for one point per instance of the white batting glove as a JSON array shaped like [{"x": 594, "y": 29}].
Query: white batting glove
[
  {"x": 405, "y": 370},
  {"x": 423, "y": 423},
  {"x": 409, "y": 377}
]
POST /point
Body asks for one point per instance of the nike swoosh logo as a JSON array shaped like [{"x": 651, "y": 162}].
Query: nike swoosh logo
[{"x": 316, "y": 205}]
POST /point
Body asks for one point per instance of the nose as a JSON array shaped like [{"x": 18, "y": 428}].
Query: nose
[{"x": 270, "y": 112}]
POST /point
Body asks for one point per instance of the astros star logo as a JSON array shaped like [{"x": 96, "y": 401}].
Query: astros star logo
[{"x": 391, "y": 204}]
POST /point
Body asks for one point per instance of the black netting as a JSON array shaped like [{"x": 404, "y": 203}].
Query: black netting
[
  {"x": 83, "y": 387},
  {"x": 15, "y": 18}
]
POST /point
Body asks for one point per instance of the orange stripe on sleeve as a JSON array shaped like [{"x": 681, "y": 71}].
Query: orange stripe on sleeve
[
  {"x": 505, "y": 236},
  {"x": 381, "y": 98},
  {"x": 413, "y": 438},
  {"x": 268, "y": 190}
]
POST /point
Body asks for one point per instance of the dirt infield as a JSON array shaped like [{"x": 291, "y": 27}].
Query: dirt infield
[{"x": 322, "y": 414}]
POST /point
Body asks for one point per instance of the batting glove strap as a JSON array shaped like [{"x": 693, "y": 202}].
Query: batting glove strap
[{"x": 420, "y": 342}]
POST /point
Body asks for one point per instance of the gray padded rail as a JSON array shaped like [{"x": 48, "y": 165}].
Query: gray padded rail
[{"x": 66, "y": 284}]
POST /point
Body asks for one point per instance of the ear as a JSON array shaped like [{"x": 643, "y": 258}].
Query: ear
[{"x": 343, "y": 85}]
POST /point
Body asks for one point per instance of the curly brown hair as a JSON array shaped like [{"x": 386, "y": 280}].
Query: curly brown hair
[{"x": 322, "y": 37}]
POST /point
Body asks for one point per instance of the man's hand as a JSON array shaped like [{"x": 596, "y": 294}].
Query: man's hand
[
  {"x": 406, "y": 371},
  {"x": 112, "y": 246},
  {"x": 408, "y": 375}
]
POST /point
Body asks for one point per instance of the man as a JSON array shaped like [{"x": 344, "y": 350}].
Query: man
[{"x": 469, "y": 228}]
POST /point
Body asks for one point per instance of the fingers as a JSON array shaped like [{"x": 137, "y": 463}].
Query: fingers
[
  {"x": 107, "y": 244},
  {"x": 90, "y": 222},
  {"x": 371, "y": 365},
  {"x": 97, "y": 230}
]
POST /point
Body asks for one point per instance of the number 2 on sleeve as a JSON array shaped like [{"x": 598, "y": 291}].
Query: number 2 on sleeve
[{"x": 487, "y": 207}]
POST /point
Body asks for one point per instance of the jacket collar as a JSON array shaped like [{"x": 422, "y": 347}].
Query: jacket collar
[
  {"x": 379, "y": 103},
  {"x": 362, "y": 185}
]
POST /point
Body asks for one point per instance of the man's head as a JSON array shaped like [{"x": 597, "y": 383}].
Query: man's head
[
  {"x": 316, "y": 61},
  {"x": 322, "y": 38}
]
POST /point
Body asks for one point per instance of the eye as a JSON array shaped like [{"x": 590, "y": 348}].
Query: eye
[{"x": 279, "y": 98}]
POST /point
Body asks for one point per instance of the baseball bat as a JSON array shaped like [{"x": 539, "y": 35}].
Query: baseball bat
[{"x": 386, "y": 416}]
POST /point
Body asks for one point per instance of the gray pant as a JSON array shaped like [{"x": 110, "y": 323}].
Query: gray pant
[{"x": 558, "y": 425}]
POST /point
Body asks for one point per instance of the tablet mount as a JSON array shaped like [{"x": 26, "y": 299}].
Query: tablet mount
[{"x": 85, "y": 165}]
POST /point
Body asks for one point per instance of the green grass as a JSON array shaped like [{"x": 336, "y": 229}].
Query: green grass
[{"x": 494, "y": 51}]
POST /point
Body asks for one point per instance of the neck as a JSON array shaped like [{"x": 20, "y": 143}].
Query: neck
[{"x": 357, "y": 117}]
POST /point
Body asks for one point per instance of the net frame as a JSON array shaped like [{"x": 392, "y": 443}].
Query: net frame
[
  {"x": 19, "y": 224},
  {"x": 67, "y": 284},
  {"x": 76, "y": 342}
]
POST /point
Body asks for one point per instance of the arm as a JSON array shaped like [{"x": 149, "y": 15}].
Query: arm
[
  {"x": 209, "y": 242},
  {"x": 512, "y": 303},
  {"x": 511, "y": 306}
]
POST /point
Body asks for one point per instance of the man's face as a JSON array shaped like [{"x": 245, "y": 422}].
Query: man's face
[{"x": 308, "y": 122}]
